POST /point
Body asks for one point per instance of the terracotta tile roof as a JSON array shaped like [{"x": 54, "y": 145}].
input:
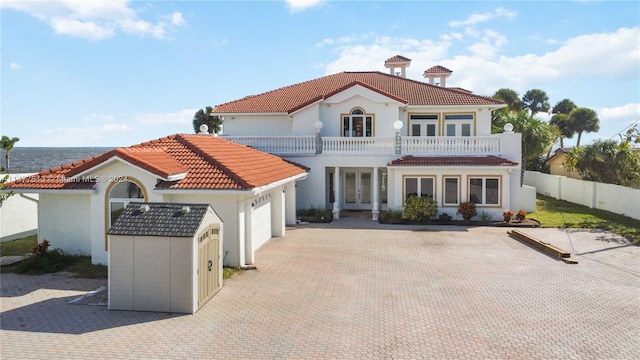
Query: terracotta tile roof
[
  {"x": 452, "y": 161},
  {"x": 210, "y": 163},
  {"x": 397, "y": 59},
  {"x": 438, "y": 69},
  {"x": 294, "y": 97},
  {"x": 152, "y": 159}
]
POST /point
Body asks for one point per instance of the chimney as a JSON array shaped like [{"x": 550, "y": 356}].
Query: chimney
[
  {"x": 397, "y": 62},
  {"x": 437, "y": 72}
]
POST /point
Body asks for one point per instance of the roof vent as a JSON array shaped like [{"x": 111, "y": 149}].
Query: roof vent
[
  {"x": 144, "y": 208},
  {"x": 186, "y": 210}
]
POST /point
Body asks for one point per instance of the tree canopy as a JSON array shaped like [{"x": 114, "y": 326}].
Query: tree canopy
[
  {"x": 584, "y": 120},
  {"x": 7, "y": 145},
  {"x": 606, "y": 161},
  {"x": 204, "y": 117},
  {"x": 536, "y": 101},
  {"x": 564, "y": 106}
]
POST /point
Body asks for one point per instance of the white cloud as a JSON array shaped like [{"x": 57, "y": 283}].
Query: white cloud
[
  {"x": 296, "y": 6},
  {"x": 475, "y": 19},
  {"x": 99, "y": 118},
  {"x": 15, "y": 66},
  {"x": 97, "y": 19},
  {"x": 87, "y": 135},
  {"x": 180, "y": 117},
  {"x": 627, "y": 111}
]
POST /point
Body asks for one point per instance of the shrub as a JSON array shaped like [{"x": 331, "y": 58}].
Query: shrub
[
  {"x": 40, "y": 249},
  {"x": 507, "y": 215},
  {"x": 486, "y": 217},
  {"x": 390, "y": 217},
  {"x": 467, "y": 210},
  {"x": 315, "y": 215},
  {"x": 521, "y": 215},
  {"x": 420, "y": 208}
]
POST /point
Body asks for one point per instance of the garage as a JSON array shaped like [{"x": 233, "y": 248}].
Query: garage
[
  {"x": 164, "y": 257},
  {"x": 261, "y": 220}
]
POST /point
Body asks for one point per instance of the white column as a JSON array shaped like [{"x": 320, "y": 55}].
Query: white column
[
  {"x": 277, "y": 212},
  {"x": 290, "y": 203},
  {"x": 248, "y": 245},
  {"x": 336, "y": 193},
  {"x": 376, "y": 202}
]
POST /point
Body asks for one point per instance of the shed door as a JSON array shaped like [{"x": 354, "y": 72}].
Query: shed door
[{"x": 208, "y": 263}]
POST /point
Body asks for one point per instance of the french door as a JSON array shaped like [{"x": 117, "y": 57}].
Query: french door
[{"x": 357, "y": 189}]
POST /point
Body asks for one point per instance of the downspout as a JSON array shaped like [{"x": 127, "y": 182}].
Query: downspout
[{"x": 22, "y": 195}]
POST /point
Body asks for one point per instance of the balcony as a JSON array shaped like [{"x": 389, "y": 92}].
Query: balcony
[{"x": 405, "y": 145}]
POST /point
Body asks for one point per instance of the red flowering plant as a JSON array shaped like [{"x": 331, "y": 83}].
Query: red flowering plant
[
  {"x": 507, "y": 215},
  {"x": 521, "y": 215},
  {"x": 467, "y": 210},
  {"x": 40, "y": 249}
]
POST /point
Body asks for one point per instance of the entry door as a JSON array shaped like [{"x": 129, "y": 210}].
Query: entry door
[
  {"x": 357, "y": 189},
  {"x": 208, "y": 264}
]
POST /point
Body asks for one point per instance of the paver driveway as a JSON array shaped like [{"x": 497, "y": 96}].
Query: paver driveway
[{"x": 356, "y": 289}]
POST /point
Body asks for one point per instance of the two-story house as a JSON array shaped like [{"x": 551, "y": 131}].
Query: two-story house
[{"x": 372, "y": 139}]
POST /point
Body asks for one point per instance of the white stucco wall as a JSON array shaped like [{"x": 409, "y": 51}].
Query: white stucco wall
[
  {"x": 18, "y": 216},
  {"x": 257, "y": 125},
  {"x": 65, "y": 221}
]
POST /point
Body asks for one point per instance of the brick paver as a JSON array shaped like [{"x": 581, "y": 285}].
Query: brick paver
[{"x": 356, "y": 289}]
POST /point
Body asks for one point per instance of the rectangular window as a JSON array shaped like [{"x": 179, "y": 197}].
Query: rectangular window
[
  {"x": 459, "y": 124},
  {"x": 419, "y": 186},
  {"x": 424, "y": 124},
  {"x": 484, "y": 190},
  {"x": 451, "y": 191},
  {"x": 415, "y": 130}
]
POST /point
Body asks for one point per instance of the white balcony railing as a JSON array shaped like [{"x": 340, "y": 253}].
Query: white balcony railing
[
  {"x": 281, "y": 145},
  {"x": 419, "y": 146},
  {"x": 358, "y": 146}
]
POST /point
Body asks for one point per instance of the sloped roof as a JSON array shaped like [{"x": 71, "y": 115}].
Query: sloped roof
[
  {"x": 294, "y": 97},
  {"x": 452, "y": 161},
  {"x": 161, "y": 219},
  {"x": 396, "y": 59},
  {"x": 211, "y": 163},
  {"x": 438, "y": 69}
]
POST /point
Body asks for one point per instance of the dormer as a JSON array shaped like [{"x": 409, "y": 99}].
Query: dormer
[
  {"x": 397, "y": 62},
  {"x": 437, "y": 72}
]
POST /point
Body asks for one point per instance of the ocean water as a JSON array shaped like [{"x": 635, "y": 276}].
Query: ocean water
[{"x": 36, "y": 159}]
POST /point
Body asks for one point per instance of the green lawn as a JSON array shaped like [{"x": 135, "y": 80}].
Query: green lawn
[
  {"x": 18, "y": 247},
  {"x": 554, "y": 213}
]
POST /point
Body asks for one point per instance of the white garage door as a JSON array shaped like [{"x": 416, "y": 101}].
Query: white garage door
[{"x": 261, "y": 223}]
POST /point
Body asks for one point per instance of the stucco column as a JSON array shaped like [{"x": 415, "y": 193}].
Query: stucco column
[
  {"x": 376, "y": 202},
  {"x": 248, "y": 245},
  {"x": 336, "y": 193},
  {"x": 290, "y": 203},
  {"x": 277, "y": 212}
]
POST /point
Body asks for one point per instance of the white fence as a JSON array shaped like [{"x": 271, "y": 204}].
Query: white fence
[
  {"x": 613, "y": 198},
  {"x": 18, "y": 215}
]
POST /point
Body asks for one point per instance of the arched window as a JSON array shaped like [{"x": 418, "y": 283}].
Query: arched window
[
  {"x": 121, "y": 194},
  {"x": 357, "y": 124}
]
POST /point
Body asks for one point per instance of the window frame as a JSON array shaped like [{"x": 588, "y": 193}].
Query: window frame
[
  {"x": 458, "y": 190},
  {"x": 484, "y": 179},
  {"x": 458, "y": 124},
  {"x": 424, "y": 123},
  {"x": 366, "y": 131},
  {"x": 418, "y": 186}
]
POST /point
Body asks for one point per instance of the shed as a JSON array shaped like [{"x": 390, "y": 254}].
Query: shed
[{"x": 164, "y": 257}]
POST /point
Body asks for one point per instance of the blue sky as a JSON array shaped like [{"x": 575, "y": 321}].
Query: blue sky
[{"x": 117, "y": 73}]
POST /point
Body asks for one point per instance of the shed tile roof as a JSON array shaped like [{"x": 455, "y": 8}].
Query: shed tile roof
[
  {"x": 162, "y": 219},
  {"x": 452, "y": 161},
  {"x": 411, "y": 92},
  {"x": 210, "y": 162}
]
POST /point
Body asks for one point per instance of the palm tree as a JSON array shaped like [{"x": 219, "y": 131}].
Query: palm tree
[
  {"x": 563, "y": 123},
  {"x": 7, "y": 145},
  {"x": 537, "y": 136},
  {"x": 584, "y": 120},
  {"x": 204, "y": 117},
  {"x": 536, "y": 101}
]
